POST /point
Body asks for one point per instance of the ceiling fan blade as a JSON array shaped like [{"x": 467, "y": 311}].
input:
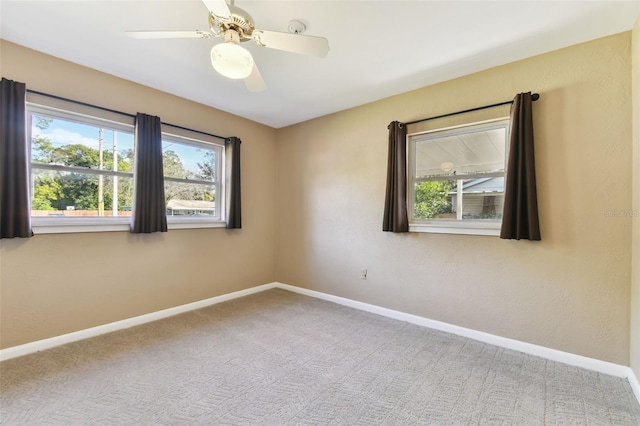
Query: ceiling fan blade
[
  {"x": 255, "y": 83},
  {"x": 297, "y": 43},
  {"x": 218, "y": 8},
  {"x": 168, "y": 34}
]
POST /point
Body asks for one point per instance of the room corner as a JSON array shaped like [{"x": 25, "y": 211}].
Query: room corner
[{"x": 635, "y": 276}]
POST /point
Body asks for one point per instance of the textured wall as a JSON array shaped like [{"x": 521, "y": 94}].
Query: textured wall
[
  {"x": 569, "y": 292},
  {"x": 635, "y": 283},
  {"x": 55, "y": 284}
]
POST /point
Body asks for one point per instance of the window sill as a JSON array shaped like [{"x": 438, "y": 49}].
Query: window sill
[
  {"x": 194, "y": 223},
  {"x": 79, "y": 225},
  {"x": 449, "y": 227}
]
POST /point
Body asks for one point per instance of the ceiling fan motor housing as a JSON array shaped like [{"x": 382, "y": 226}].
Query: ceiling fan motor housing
[{"x": 239, "y": 21}]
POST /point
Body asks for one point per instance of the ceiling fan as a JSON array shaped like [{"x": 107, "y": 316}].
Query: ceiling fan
[{"x": 232, "y": 60}]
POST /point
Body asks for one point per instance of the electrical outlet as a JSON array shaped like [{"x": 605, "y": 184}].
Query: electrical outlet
[{"x": 363, "y": 274}]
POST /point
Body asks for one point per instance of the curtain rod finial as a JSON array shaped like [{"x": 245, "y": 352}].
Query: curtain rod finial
[{"x": 535, "y": 96}]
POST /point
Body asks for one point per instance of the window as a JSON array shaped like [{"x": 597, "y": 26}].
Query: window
[
  {"x": 82, "y": 174},
  {"x": 191, "y": 179},
  {"x": 81, "y": 168},
  {"x": 456, "y": 182}
]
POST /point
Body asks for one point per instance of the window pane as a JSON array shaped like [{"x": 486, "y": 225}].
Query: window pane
[
  {"x": 190, "y": 199},
  {"x": 460, "y": 154},
  {"x": 67, "y": 143},
  {"x": 483, "y": 206},
  {"x": 188, "y": 161},
  {"x": 66, "y": 194},
  {"x": 433, "y": 200},
  {"x": 482, "y": 199}
]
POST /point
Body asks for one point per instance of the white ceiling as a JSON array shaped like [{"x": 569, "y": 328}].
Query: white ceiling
[
  {"x": 477, "y": 151},
  {"x": 378, "y": 48}
]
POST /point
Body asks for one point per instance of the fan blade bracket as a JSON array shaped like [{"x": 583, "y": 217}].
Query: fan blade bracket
[
  {"x": 224, "y": 20},
  {"x": 257, "y": 39},
  {"x": 204, "y": 34}
]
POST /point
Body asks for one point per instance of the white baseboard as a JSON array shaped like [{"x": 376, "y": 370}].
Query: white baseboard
[
  {"x": 635, "y": 385},
  {"x": 528, "y": 348},
  {"x": 52, "y": 342},
  {"x": 592, "y": 364}
]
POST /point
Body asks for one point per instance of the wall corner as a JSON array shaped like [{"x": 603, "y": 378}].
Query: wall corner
[{"x": 635, "y": 248}]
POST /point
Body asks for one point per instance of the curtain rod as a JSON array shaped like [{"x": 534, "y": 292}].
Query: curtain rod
[
  {"x": 126, "y": 114},
  {"x": 534, "y": 97}
]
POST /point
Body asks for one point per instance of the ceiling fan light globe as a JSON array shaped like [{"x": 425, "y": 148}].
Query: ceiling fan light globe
[
  {"x": 232, "y": 60},
  {"x": 447, "y": 166}
]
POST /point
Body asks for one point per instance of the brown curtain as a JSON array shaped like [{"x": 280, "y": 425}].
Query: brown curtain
[
  {"x": 150, "y": 211},
  {"x": 395, "y": 203},
  {"x": 520, "y": 217},
  {"x": 15, "y": 214},
  {"x": 233, "y": 189}
]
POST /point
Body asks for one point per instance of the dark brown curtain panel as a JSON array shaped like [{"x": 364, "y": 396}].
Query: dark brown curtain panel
[
  {"x": 150, "y": 210},
  {"x": 233, "y": 188},
  {"x": 15, "y": 215},
  {"x": 395, "y": 203},
  {"x": 520, "y": 217}
]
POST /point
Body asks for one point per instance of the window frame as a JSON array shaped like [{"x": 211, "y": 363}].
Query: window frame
[
  {"x": 185, "y": 221},
  {"x": 452, "y": 226},
  {"x": 49, "y": 225},
  {"x": 83, "y": 114}
]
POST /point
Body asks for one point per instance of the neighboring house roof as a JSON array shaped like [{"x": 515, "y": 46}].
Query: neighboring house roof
[
  {"x": 191, "y": 205},
  {"x": 490, "y": 184}
]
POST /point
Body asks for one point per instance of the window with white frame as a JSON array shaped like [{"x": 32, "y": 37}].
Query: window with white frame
[
  {"x": 81, "y": 167},
  {"x": 456, "y": 178},
  {"x": 192, "y": 171},
  {"x": 82, "y": 174}
]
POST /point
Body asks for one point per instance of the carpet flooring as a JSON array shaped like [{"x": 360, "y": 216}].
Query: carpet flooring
[{"x": 279, "y": 358}]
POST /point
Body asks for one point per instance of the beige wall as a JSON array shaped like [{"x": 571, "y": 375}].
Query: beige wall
[
  {"x": 635, "y": 284},
  {"x": 55, "y": 284},
  {"x": 569, "y": 292}
]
